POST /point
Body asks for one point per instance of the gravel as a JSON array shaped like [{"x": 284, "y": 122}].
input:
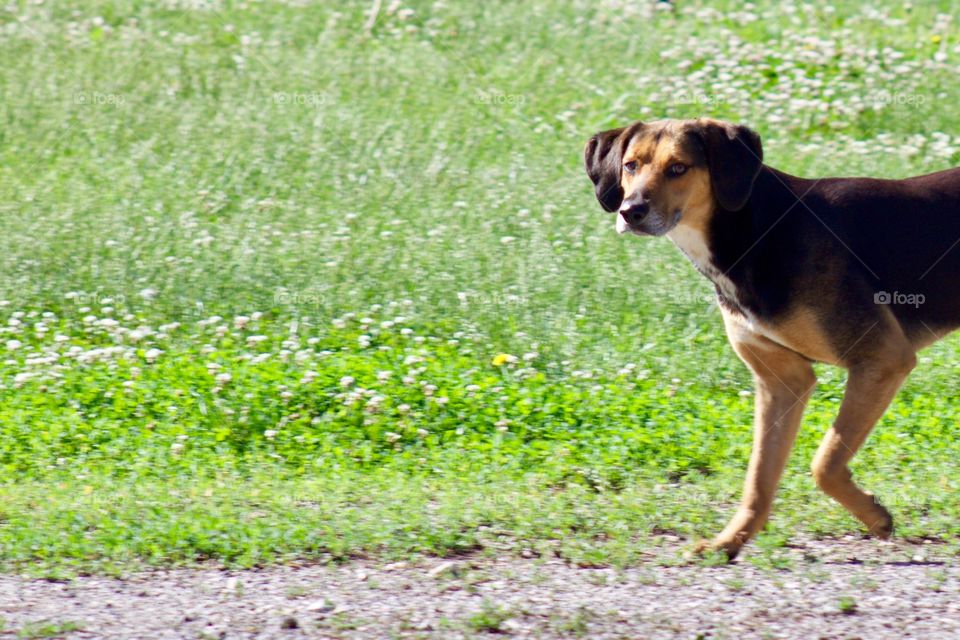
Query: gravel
[{"x": 847, "y": 588}]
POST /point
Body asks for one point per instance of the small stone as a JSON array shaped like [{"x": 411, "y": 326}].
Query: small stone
[
  {"x": 511, "y": 625},
  {"x": 443, "y": 568},
  {"x": 320, "y": 606}
]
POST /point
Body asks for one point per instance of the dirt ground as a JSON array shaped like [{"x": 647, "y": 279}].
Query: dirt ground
[{"x": 847, "y": 588}]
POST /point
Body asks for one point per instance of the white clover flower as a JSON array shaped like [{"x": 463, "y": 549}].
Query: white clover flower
[
  {"x": 347, "y": 381},
  {"x": 13, "y": 345},
  {"x": 270, "y": 434},
  {"x": 392, "y": 437},
  {"x": 152, "y": 354}
]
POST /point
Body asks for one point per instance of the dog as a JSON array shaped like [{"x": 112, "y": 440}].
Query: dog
[{"x": 860, "y": 273}]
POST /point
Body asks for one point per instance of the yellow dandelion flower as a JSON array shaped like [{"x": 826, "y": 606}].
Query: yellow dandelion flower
[{"x": 501, "y": 359}]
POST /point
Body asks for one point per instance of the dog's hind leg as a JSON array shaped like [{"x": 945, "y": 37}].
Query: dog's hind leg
[
  {"x": 784, "y": 381},
  {"x": 872, "y": 382}
]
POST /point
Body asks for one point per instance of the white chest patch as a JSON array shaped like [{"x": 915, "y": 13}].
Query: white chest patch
[{"x": 693, "y": 244}]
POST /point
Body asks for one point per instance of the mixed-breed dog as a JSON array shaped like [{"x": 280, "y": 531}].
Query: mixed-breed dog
[{"x": 855, "y": 272}]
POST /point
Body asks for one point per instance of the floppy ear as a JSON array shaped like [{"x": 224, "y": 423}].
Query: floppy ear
[
  {"x": 734, "y": 157},
  {"x": 602, "y": 157}
]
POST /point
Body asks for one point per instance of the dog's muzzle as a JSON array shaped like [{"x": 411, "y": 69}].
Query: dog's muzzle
[{"x": 631, "y": 214}]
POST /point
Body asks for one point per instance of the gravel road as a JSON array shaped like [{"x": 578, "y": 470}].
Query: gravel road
[{"x": 849, "y": 588}]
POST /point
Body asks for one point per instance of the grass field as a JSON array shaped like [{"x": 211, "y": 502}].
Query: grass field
[{"x": 274, "y": 285}]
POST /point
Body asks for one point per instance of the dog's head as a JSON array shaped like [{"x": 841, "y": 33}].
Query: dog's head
[{"x": 655, "y": 174}]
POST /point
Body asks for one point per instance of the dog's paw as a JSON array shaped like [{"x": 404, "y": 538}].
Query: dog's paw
[
  {"x": 881, "y": 525},
  {"x": 727, "y": 548}
]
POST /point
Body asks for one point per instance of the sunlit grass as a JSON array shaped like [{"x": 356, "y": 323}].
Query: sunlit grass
[{"x": 252, "y": 252}]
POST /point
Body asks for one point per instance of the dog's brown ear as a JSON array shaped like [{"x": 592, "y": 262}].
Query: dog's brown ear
[
  {"x": 734, "y": 157},
  {"x": 602, "y": 157}
]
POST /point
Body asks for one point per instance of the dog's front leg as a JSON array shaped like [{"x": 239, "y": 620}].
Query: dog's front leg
[{"x": 784, "y": 381}]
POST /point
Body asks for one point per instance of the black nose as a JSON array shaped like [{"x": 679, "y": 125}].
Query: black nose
[{"x": 634, "y": 209}]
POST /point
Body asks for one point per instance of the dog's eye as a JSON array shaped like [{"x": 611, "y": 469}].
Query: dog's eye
[
  {"x": 631, "y": 166},
  {"x": 677, "y": 169}
]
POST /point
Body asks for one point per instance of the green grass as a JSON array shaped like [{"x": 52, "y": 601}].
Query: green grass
[
  {"x": 47, "y": 629},
  {"x": 490, "y": 618},
  {"x": 256, "y": 266}
]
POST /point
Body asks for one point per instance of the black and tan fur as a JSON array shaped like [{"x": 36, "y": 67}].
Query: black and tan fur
[{"x": 805, "y": 271}]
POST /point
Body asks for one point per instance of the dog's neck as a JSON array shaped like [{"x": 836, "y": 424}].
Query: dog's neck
[
  {"x": 694, "y": 242},
  {"x": 740, "y": 237},
  {"x": 693, "y": 237}
]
